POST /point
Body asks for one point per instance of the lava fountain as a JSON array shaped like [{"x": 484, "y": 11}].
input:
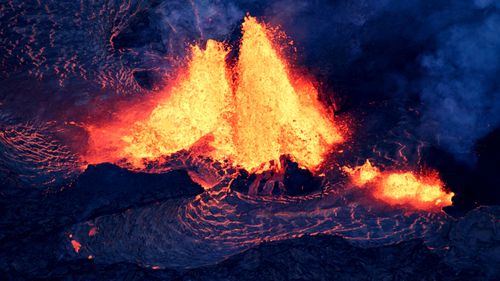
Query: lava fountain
[
  {"x": 402, "y": 187},
  {"x": 250, "y": 114}
]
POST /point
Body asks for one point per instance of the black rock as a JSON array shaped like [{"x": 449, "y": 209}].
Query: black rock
[
  {"x": 328, "y": 258},
  {"x": 289, "y": 179},
  {"x": 32, "y": 225},
  {"x": 106, "y": 188},
  {"x": 299, "y": 181}
]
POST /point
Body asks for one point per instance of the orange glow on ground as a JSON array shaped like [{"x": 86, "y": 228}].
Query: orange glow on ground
[
  {"x": 92, "y": 231},
  {"x": 400, "y": 188},
  {"x": 76, "y": 245},
  {"x": 196, "y": 107},
  {"x": 250, "y": 120}
]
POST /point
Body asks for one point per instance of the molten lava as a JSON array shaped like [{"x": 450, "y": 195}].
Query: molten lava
[
  {"x": 76, "y": 245},
  {"x": 421, "y": 192},
  {"x": 361, "y": 175},
  {"x": 199, "y": 105},
  {"x": 274, "y": 117},
  {"x": 251, "y": 121}
]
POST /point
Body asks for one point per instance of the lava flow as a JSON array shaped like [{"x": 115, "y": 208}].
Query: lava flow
[
  {"x": 401, "y": 187},
  {"x": 251, "y": 120}
]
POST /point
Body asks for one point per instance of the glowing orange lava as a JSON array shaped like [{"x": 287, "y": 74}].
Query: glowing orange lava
[
  {"x": 363, "y": 174},
  {"x": 421, "y": 192},
  {"x": 251, "y": 120},
  {"x": 198, "y": 106},
  {"x": 273, "y": 116},
  {"x": 76, "y": 245}
]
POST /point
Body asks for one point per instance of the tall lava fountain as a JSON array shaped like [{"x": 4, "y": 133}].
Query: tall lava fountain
[{"x": 250, "y": 114}]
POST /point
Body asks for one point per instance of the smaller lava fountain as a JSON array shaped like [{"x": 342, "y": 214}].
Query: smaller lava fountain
[{"x": 421, "y": 192}]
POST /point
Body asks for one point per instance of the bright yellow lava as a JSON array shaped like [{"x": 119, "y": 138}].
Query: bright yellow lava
[
  {"x": 250, "y": 121},
  {"x": 363, "y": 174},
  {"x": 195, "y": 108},
  {"x": 272, "y": 116}
]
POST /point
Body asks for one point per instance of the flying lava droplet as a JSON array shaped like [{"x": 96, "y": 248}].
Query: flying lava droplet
[{"x": 251, "y": 120}]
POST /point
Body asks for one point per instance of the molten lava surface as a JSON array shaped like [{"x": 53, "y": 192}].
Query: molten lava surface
[
  {"x": 252, "y": 120},
  {"x": 419, "y": 191}
]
